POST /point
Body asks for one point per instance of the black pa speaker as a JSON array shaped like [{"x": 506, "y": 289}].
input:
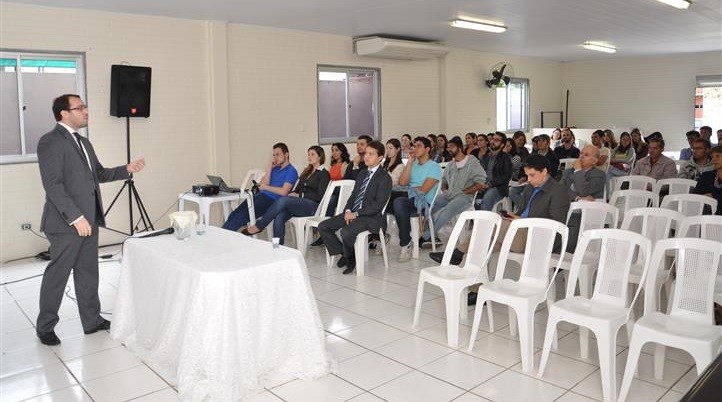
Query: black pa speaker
[{"x": 129, "y": 91}]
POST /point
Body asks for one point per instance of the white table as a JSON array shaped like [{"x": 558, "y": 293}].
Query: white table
[
  {"x": 219, "y": 315},
  {"x": 204, "y": 204}
]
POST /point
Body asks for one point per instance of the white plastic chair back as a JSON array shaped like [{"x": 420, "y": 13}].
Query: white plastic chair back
[
  {"x": 541, "y": 234},
  {"x": 653, "y": 223},
  {"x": 689, "y": 204},
  {"x": 635, "y": 182},
  {"x": 628, "y": 199},
  {"x": 323, "y": 205},
  {"x": 594, "y": 215},
  {"x": 346, "y": 188},
  {"x": 702, "y": 226},
  {"x": 675, "y": 186},
  {"x": 252, "y": 174},
  {"x": 484, "y": 234},
  {"x": 566, "y": 163},
  {"x": 697, "y": 264},
  {"x": 617, "y": 253}
]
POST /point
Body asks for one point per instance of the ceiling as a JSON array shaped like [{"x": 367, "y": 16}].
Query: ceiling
[{"x": 550, "y": 29}]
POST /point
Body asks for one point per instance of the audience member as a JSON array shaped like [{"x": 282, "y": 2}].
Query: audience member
[
  {"x": 482, "y": 146},
  {"x": 699, "y": 163},
  {"x": 406, "y": 147},
  {"x": 685, "y": 154},
  {"x": 302, "y": 201},
  {"x": 710, "y": 182},
  {"x": 498, "y": 167},
  {"x": 441, "y": 142},
  {"x": 655, "y": 165},
  {"x": 421, "y": 177},
  {"x": 511, "y": 149},
  {"x": 567, "y": 148},
  {"x": 276, "y": 183},
  {"x": 621, "y": 161},
  {"x": 640, "y": 147},
  {"x": 582, "y": 180},
  {"x": 392, "y": 162},
  {"x": 434, "y": 153},
  {"x": 461, "y": 179},
  {"x": 470, "y": 143},
  {"x": 363, "y": 210},
  {"x": 520, "y": 143},
  {"x": 544, "y": 150},
  {"x": 719, "y": 136},
  {"x": 357, "y": 163},
  {"x": 609, "y": 140},
  {"x": 705, "y": 132},
  {"x": 340, "y": 160},
  {"x": 604, "y": 152},
  {"x": 556, "y": 138}
]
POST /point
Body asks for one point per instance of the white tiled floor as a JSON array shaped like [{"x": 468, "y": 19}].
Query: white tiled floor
[{"x": 368, "y": 324}]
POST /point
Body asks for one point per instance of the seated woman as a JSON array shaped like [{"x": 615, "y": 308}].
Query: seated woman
[
  {"x": 303, "y": 201},
  {"x": 511, "y": 149},
  {"x": 441, "y": 142},
  {"x": 393, "y": 163},
  {"x": 470, "y": 143},
  {"x": 482, "y": 146},
  {"x": 640, "y": 147},
  {"x": 620, "y": 162},
  {"x": 340, "y": 160}
]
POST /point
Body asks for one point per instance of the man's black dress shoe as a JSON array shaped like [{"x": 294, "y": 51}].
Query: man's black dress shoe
[
  {"x": 471, "y": 299},
  {"x": 341, "y": 262},
  {"x": 49, "y": 338},
  {"x": 456, "y": 257},
  {"x": 246, "y": 232},
  {"x": 103, "y": 326},
  {"x": 351, "y": 267},
  {"x": 317, "y": 242}
]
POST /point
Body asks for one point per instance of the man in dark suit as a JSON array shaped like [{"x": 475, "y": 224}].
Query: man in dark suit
[
  {"x": 71, "y": 174},
  {"x": 363, "y": 209}
]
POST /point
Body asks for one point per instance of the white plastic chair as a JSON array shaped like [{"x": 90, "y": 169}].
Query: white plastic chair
[
  {"x": 690, "y": 324},
  {"x": 674, "y": 186},
  {"x": 454, "y": 280},
  {"x": 634, "y": 182},
  {"x": 628, "y": 199},
  {"x": 299, "y": 222},
  {"x": 689, "y": 204},
  {"x": 361, "y": 247},
  {"x": 503, "y": 204},
  {"x": 416, "y": 226},
  {"x": 345, "y": 188},
  {"x": 593, "y": 215},
  {"x": 608, "y": 308},
  {"x": 252, "y": 174},
  {"x": 566, "y": 163},
  {"x": 532, "y": 288},
  {"x": 707, "y": 227}
]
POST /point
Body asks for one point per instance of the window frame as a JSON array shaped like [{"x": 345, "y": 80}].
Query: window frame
[
  {"x": 526, "y": 103},
  {"x": 375, "y": 104},
  {"x": 19, "y": 55}
]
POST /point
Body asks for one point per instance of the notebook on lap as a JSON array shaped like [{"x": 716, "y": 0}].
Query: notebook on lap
[{"x": 218, "y": 181}]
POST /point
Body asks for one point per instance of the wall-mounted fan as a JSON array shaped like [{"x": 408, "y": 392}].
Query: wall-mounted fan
[{"x": 500, "y": 75}]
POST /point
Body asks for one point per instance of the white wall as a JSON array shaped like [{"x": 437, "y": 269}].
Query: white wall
[{"x": 652, "y": 93}]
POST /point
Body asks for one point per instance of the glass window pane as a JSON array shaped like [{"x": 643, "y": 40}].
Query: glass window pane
[
  {"x": 39, "y": 90},
  {"x": 10, "y": 122},
  {"x": 332, "y": 107},
  {"x": 361, "y": 95}
]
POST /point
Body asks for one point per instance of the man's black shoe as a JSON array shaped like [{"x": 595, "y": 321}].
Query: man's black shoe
[
  {"x": 49, "y": 338},
  {"x": 103, "y": 326},
  {"x": 341, "y": 262},
  {"x": 471, "y": 299},
  {"x": 317, "y": 242},
  {"x": 351, "y": 267},
  {"x": 456, "y": 257},
  {"x": 423, "y": 243}
]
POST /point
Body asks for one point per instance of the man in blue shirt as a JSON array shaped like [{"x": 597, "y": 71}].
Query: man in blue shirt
[
  {"x": 422, "y": 176},
  {"x": 277, "y": 182}
]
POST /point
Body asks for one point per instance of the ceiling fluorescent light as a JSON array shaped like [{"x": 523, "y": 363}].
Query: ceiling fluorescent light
[
  {"x": 477, "y": 26},
  {"x": 681, "y": 4},
  {"x": 599, "y": 47}
]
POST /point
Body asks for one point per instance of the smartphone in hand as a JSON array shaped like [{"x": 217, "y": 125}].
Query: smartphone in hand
[{"x": 504, "y": 214}]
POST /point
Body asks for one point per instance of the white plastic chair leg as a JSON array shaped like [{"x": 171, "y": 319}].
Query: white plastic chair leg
[
  {"x": 513, "y": 329},
  {"x": 300, "y": 233},
  {"x": 433, "y": 235},
  {"x": 419, "y": 300},
  {"x": 660, "y": 352},
  {"x": 415, "y": 237},
  {"x": 452, "y": 317},
  {"x": 526, "y": 339},
  {"x": 464, "y": 310},
  {"x": 635, "y": 348},
  {"x": 383, "y": 248},
  {"x": 606, "y": 344},
  {"x": 478, "y": 311},
  {"x": 361, "y": 250},
  {"x": 549, "y": 335}
]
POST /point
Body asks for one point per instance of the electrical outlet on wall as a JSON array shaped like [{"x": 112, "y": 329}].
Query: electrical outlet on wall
[{"x": 26, "y": 226}]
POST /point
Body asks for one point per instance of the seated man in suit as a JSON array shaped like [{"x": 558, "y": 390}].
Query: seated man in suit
[
  {"x": 276, "y": 183},
  {"x": 363, "y": 209},
  {"x": 583, "y": 181}
]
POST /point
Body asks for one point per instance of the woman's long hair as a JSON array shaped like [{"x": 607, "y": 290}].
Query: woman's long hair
[
  {"x": 309, "y": 169},
  {"x": 345, "y": 157},
  {"x": 390, "y": 165},
  {"x": 622, "y": 148}
]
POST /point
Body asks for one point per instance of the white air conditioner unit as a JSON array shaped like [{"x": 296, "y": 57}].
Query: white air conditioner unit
[{"x": 377, "y": 46}]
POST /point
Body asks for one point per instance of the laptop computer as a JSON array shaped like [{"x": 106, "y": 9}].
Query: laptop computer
[{"x": 218, "y": 181}]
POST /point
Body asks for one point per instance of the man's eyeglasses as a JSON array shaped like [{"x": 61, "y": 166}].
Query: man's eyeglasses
[{"x": 84, "y": 107}]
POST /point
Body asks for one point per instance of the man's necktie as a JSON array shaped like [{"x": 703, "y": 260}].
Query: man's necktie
[
  {"x": 82, "y": 150},
  {"x": 360, "y": 197}
]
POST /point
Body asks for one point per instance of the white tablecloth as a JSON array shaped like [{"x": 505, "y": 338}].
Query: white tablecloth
[{"x": 219, "y": 314}]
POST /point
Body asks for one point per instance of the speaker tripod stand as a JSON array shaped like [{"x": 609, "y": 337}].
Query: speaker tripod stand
[{"x": 133, "y": 196}]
